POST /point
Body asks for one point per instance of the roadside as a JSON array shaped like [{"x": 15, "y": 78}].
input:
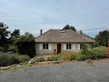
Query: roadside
[
  {"x": 97, "y": 71},
  {"x": 16, "y": 67}
]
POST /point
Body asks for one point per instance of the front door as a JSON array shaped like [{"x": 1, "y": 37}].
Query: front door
[{"x": 58, "y": 48}]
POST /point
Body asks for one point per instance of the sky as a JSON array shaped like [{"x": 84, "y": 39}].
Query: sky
[{"x": 91, "y": 16}]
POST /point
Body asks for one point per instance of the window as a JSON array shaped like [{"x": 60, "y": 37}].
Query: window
[
  {"x": 68, "y": 46},
  {"x": 45, "y": 46}
]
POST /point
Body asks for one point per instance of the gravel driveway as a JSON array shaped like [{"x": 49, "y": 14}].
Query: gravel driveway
[{"x": 98, "y": 71}]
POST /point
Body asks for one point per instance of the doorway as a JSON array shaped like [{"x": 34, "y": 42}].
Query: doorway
[{"x": 58, "y": 48}]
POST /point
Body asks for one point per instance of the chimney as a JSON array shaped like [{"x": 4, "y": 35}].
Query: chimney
[{"x": 40, "y": 31}]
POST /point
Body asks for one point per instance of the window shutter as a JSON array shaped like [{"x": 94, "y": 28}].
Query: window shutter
[
  {"x": 49, "y": 46},
  {"x": 64, "y": 46},
  {"x": 73, "y": 46},
  {"x": 40, "y": 46},
  {"x": 78, "y": 46}
]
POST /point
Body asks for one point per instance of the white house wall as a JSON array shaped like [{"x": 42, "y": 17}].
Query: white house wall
[
  {"x": 74, "y": 47},
  {"x": 41, "y": 51}
]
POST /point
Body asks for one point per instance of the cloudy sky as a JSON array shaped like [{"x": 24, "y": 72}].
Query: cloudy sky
[{"x": 91, "y": 16}]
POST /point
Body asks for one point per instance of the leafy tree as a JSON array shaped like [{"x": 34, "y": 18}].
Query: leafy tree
[
  {"x": 26, "y": 44},
  {"x": 4, "y": 35},
  {"x": 101, "y": 38},
  {"x": 81, "y": 32},
  {"x": 73, "y": 28},
  {"x": 16, "y": 33},
  {"x": 14, "y": 36},
  {"x": 13, "y": 39},
  {"x": 69, "y": 27}
]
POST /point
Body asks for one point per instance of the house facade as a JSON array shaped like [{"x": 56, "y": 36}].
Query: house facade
[{"x": 55, "y": 40}]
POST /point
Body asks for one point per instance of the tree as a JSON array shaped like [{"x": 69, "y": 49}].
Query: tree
[
  {"x": 101, "y": 38},
  {"x": 16, "y": 33},
  {"x": 26, "y": 44},
  {"x": 13, "y": 39},
  {"x": 69, "y": 27},
  {"x": 73, "y": 28},
  {"x": 81, "y": 32},
  {"x": 4, "y": 35},
  {"x": 14, "y": 36}
]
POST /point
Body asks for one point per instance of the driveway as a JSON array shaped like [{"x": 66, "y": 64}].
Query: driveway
[{"x": 98, "y": 71}]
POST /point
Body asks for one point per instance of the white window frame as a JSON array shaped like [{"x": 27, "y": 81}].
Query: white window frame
[
  {"x": 45, "y": 46},
  {"x": 68, "y": 46}
]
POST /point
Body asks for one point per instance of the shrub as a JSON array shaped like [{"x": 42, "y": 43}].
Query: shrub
[
  {"x": 66, "y": 55},
  {"x": 99, "y": 52},
  {"x": 80, "y": 57},
  {"x": 53, "y": 58},
  {"x": 23, "y": 58},
  {"x": 13, "y": 48},
  {"x": 1, "y": 49},
  {"x": 8, "y": 59},
  {"x": 95, "y": 53},
  {"x": 41, "y": 59}
]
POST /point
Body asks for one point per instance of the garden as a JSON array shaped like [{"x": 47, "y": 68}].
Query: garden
[{"x": 82, "y": 55}]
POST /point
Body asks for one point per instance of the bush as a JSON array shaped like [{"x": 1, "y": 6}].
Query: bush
[
  {"x": 23, "y": 58},
  {"x": 1, "y": 49},
  {"x": 13, "y": 48},
  {"x": 41, "y": 59},
  {"x": 81, "y": 57},
  {"x": 66, "y": 55},
  {"x": 53, "y": 58},
  {"x": 95, "y": 53},
  {"x": 99, "y": 52},
  {"x": 9, "y": 59}
]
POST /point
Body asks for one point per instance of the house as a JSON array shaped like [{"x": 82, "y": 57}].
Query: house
[{"x": 60, "y": 40}]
